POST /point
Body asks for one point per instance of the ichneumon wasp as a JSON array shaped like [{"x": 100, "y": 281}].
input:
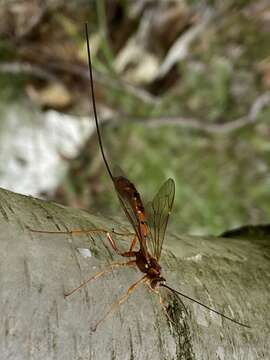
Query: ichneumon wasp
[{"x": 148, "y": 222}]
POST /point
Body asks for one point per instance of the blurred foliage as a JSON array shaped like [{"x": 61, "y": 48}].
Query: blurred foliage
[{"x": 222, "y": 179}]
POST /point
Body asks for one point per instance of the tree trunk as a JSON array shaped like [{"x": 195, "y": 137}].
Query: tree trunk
[{"x": 38, "y": 322}]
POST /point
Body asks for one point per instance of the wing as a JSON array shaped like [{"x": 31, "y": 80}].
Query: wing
[{"x": 157, "y": 216}]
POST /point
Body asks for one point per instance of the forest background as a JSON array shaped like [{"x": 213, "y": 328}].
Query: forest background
[{"x": 182, "y": 91}]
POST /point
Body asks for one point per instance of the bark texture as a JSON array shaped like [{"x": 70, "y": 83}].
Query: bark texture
[{"x": 37, "y": 322}]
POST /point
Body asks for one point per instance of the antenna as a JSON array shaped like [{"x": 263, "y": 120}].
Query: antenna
[
  {"x": 207, "y": 307},
  {"x": 94, "y": 103}
]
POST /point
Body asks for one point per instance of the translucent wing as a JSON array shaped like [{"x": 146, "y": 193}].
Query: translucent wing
[{"x": 157, "y": 216}]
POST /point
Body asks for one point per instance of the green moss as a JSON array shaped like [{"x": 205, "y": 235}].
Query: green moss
[{"x": 11, "y": 88}]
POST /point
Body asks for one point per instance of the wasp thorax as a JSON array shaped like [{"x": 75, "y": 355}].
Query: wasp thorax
[{"x": 155, "y": 265}]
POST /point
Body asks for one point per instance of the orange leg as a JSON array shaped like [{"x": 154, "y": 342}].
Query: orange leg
[
  {"x": 114, "y": 246},
  {"x": 120, "y": 301},
  {"x": 129, "y": 253},
  {"x": 161, "y": 301},
  {"x": 70, "y": 232},
  {"x": 133, "y": 243},
  {"x": 122, "y": 233},
  {"x": 101, "y": 273}
]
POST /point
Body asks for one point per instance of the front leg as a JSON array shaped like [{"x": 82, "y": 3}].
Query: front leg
[{"x": 89, "y": 231}]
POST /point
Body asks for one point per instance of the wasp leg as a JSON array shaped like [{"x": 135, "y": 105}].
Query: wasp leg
[
  {"x": 70, "y": 232},
  {"x": 89, "y": 231},
  {"x": 120, "y": 301},
  {"x": 122, "y": 233},
  {"x": 115, "y": 248},
  {"x": 161, "y": 301},
  {"x": 101, "y": 273},
  {"x": 133, "y": 243}
]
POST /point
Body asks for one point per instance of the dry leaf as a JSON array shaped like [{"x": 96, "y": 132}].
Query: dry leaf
[{"x": 54, "y": 95}]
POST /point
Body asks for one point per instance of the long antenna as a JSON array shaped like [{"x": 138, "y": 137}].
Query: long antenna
[
  {"x": 207, "y": 307},
  {"x": 94, "y": 103}
]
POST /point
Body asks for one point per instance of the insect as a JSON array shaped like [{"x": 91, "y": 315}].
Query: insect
[{"x": 148, "y": 222}]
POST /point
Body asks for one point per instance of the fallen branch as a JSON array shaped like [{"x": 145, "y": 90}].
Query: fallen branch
[
  {"x": 189, "y": 123},
  {"x": 22, "y": 67},
  {"x": 195, "y": 124},
  {"x": 37, "y": 269},
  {"x": 49, "y": 73}
]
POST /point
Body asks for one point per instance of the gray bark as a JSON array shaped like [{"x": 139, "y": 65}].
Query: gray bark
[{"x": 37, "y": 322}]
